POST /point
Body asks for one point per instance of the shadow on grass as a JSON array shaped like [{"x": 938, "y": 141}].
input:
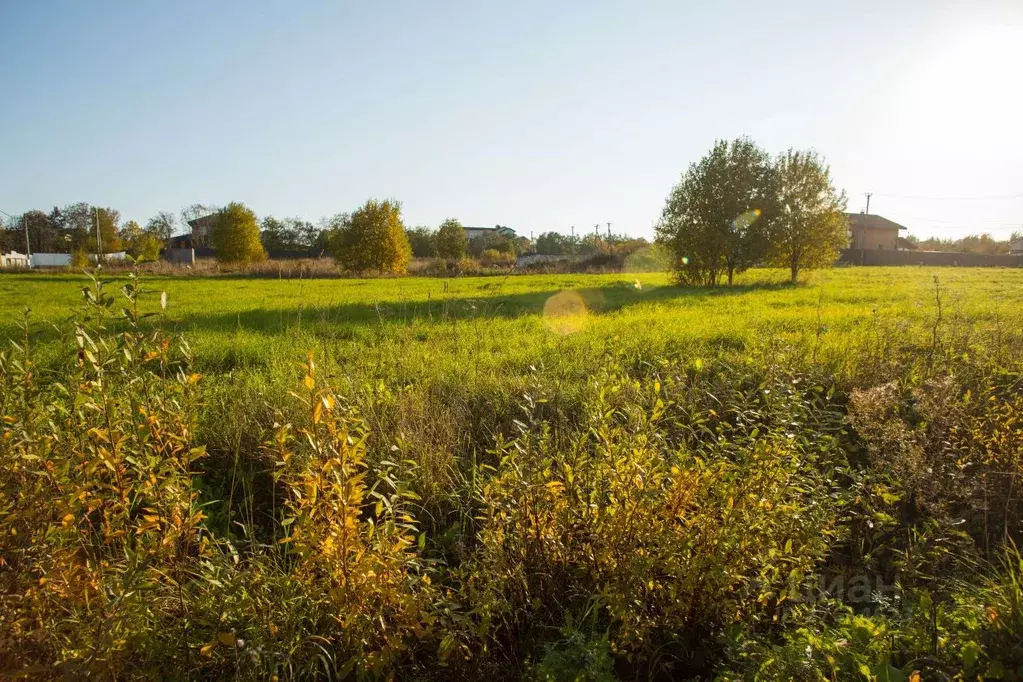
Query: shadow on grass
[{"x": 598, "y": 300}]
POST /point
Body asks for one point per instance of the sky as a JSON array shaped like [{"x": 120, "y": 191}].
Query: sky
[{"x": 536, "y": 115}]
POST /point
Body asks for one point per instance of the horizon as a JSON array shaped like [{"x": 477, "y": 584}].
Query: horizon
[{"x": 534, "y": 117}]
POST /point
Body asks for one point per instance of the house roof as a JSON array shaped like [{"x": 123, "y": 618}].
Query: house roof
[{"x": 870, "y": 221}]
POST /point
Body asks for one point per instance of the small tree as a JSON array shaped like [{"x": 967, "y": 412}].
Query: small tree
[
  {"x": 373, "y": 239},
  {"x": 809, "y": 226},
  {"x": 234, "y": 235},
  {"x": 713, "y": 221},
  {"x": 451, "y": 241}
]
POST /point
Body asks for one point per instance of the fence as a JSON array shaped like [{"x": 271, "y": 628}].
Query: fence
[
  {"x": 907, "y": 257},
  {"x": 50, "y": 260}
]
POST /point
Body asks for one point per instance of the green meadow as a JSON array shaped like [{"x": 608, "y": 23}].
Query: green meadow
[{"x": 422, "y": 327}]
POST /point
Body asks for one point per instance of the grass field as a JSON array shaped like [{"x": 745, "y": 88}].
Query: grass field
[
  {"x": 518, "y": 477},
  {"x": 427, "y": 327}
]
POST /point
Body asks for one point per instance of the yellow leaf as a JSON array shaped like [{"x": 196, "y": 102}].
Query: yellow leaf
[
  {"x": 207, "y": 648},
  {"x": 67, "y": 520},
  {"x": 226, "y": 638},
  {"x": 317, "y": 412},
  {"x": 308, "y": 381},
  {"x": 193, "y": 378}
]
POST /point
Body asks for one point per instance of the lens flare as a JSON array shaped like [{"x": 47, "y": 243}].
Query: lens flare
[
  {"x": 746, "y": 219},
  {"x": 685, "y": 260},
  {"x": 565, "y": 312}
]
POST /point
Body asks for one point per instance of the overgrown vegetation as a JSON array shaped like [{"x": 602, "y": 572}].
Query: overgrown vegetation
[{"x": 435, "y": 480}]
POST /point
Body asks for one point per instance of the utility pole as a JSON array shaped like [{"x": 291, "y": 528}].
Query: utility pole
[
  {"x": 869, "y": 194},
  {"x": 24, "y": 223},
  {"x": 99, "y": 237},
  {"x": 609, "y": 231},
  {"x": 573, "y": 231},
  {"x": 596, "y": 230}
]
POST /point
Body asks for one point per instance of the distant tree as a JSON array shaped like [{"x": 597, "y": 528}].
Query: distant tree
[
  {"x": 108, "y": 220},
  {"x": 77, "y": 221},
  {"x": 423, "y": 241},
  {"x": 451, "y": 241},
  {"x": 982, "y": 244},
  {"x": 714, "y": 220},
  {"x": 288, "y": 234},
  {"x": 234, "y": 235},
  {"x": 553, "y": 244},
  {"x": 162, "y": 225},
  {"x": 373, "y": 239},
  {"x": 491, "y": 241},
  {"x": 141, "y": 244},
  {"x": 275, "y": 235},
  {"x": 809, "y": 225},
  {"x": 42, "y": 236}
]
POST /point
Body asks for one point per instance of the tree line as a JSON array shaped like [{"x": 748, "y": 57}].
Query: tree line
[
  {"x": 738, "y": 207},
  {"x": 983, "y": 244},
  {"x": 373, "y": 237}
]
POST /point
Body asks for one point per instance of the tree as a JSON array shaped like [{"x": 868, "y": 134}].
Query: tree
[
  {"x": 234, "y": 235},
  {"x": 423, "y": 241},
  {"x": 809, "y": 226},
  {"x": 275, "y": 234},
  {"x": 451, "y": 241},
  {"x": 78, "y": 222},
  {"x": 288, "y": 234},
  {"x": 553, "y": 244},
  {"x": 141, "y": 244},
  {"x": 373, "y": 239},
  {"x": 108, "y": 220},
  {"x": 491, "y": 241},
  {"x": 714, "y": 221},
  {"x": 161, "y": 225}
]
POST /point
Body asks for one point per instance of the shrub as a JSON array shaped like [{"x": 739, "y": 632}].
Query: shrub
[
  {"x": 492, "y": 257},
  {"x": 79, "y": 258}
]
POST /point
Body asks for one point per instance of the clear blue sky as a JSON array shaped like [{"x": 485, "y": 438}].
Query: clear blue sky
[{"x": 536, "y": 115}]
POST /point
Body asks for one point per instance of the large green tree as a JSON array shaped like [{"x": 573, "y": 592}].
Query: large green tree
[
  {"x": 715, "y": 220},
  {"x": 809, "y": 224},
  {"x": 373, "y": 238},
  {"x": 234, "y": 235},
  {"x": 451, "y": 241}
]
